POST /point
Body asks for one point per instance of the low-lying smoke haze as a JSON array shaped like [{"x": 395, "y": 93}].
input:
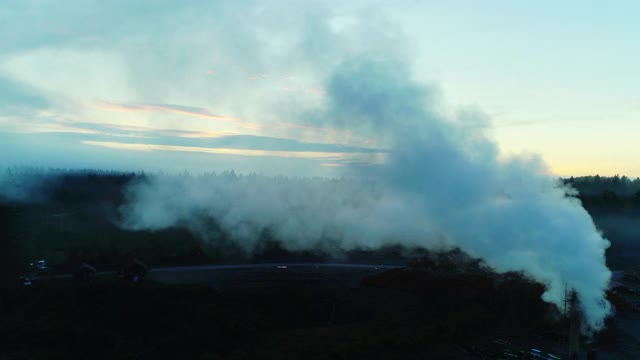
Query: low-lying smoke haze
[{"x": 443, "y": 183}]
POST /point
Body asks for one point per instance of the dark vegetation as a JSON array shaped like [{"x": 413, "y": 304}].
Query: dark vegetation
[
  {"x": 423, "y": 313},
  {"x": 603, "y": 196},
  {"x": 614, "y": 205},
  {"x": 439, "y": 309}
]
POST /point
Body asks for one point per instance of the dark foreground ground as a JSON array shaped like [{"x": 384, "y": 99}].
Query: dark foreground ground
[{"x": 291, "y": 313}]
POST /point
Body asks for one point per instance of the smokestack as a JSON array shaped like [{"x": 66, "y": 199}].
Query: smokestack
[{"x": 574, "y": 326}]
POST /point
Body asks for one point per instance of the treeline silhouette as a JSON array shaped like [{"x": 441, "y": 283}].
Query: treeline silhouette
[
  {"x": 597, "y": 185},
  {"x": 601, "y": 195}
]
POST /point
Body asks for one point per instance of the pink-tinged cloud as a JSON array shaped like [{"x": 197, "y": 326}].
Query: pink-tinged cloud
[
  {"x": 345, "y": 135},
  {"x": 274, "y": 129},
  {"x": 311, "y": 128},
  {"x": 57, "y": 128},
  {"x": 198, "y": 134},
  {"x": 163, "y": 108},
  {"x": 312, "y": 155},
  {"x": 251, "y": 126},
  {"x": 160, "y": 131},
  {"x": 315, "y": 91},
  {"x": 338, "y": 136}
]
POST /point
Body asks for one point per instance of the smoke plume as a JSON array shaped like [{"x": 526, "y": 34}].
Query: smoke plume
[{"x": 443, "y": 184}]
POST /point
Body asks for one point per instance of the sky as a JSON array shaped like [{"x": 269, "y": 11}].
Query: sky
[{"x": 218, "y": 85}]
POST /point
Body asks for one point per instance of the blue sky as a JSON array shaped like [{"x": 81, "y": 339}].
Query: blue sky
[{"x": 215, "y": 85}]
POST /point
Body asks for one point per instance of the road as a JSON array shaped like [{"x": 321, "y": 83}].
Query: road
[
  {"x": 268, "y": 275},
  {"x": 257, "y": 275}
]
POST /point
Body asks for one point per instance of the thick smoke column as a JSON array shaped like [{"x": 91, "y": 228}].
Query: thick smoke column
[
  {"x": 505, "y": 211},
  {"x": 442, "y": 184}
]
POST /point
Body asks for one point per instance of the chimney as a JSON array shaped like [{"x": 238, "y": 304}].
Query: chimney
[{"x": 574, "y": 326}]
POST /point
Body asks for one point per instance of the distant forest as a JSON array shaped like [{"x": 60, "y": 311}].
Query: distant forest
[
  {"x": 601, "y": 194},
  {"x": 598, "y": 185},
  {"x": 70, "y": 217}
]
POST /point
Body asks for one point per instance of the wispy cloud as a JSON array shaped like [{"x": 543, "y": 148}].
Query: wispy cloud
[
  {"x": 108, "y": 128},
  {"x": 316, "y": 91},
  {"x": 521, "y": 123},
  {"x": 280, "y": 129},
  {"x": 164, "y": 108},
  {"x": 332, "y": 164},
  {"x": 45, "y": 127},
  {"x": 315, "y": 155}
]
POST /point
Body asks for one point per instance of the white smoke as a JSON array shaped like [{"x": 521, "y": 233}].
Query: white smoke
[
  {"x": 303, "y": 213},
  {"x": 443, "y": 183}
]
